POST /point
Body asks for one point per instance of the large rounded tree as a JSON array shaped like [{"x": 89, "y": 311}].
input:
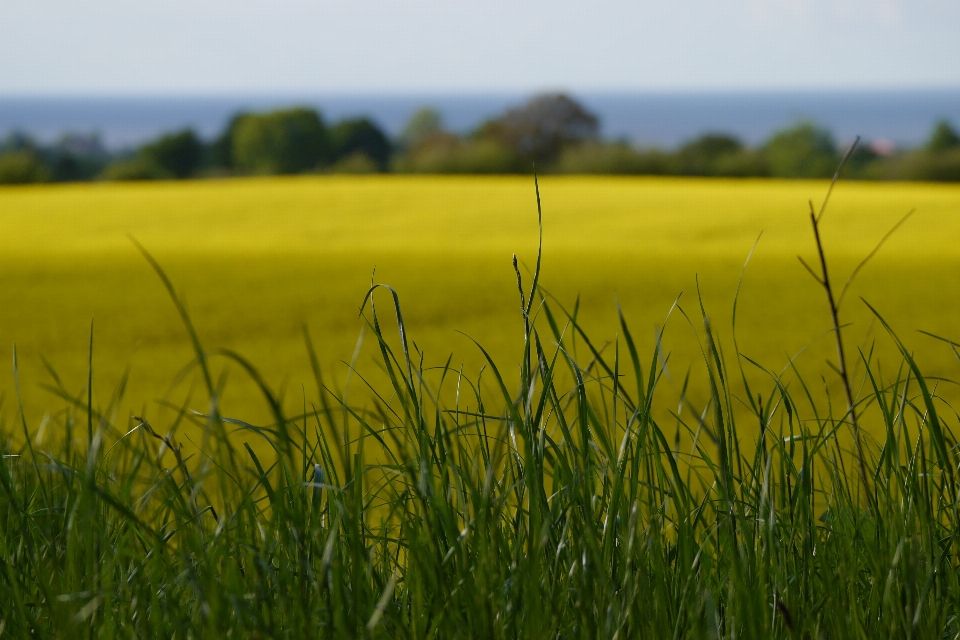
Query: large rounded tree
[
  {"x": 539, "y": 130},
  {"x": 361, "y": 136},
  {"x": 290, "y": 141},
  {"x": 805, "y": 151}
]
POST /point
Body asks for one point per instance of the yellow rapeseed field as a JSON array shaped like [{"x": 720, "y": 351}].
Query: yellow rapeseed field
[{"x": 258, "y": 259}]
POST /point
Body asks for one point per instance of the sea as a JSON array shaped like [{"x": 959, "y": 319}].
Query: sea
[{"x": 892, "y": 119}]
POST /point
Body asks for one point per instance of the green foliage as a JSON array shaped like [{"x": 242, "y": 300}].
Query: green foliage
[
  {"x": 943, "y": 138},
  {"x": 76, "y": 157},
  {"x": 747, "y": 163},
  {"x": 357, "y": 162},
  {"x": 539, "y": 130},
  {"x": 486, "y": 156},
  {"x": 361, "y": 136},
  {"x": 865, "y": 164},
  {"x": 177, "y": 154},
  {"x": 553, "y": 132},
  {"x": 67, "y": 167},
  {"x": 442, "y": 507},
  {"x": 938, "y": 161},
  {"x": 23, "y": 167},
  {"x": 613, "y": 158},
  {"x": 132, "y": 169},
  {"x": 446, "y": 153},
  {"x": 943, "y": 166},
  {"x": 221, "y": 151},
  {"x": 536, "y": 132},
  {"x": 174, "y": 156},
  {"x": 708, "y": 156},
  {"x": 423, "y": 124},
  {"x": 280, "y": 142},
  {"x": 702, "y": 156},
  {"x": 805, "y": 151},
  {"x": 717, "y": 154}
]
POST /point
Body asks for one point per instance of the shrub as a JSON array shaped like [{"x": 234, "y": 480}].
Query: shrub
[
  {"x": 177, "y": 154},
  {"x": 422, "y": 125},
  {"x": 805, "y": 151},
  {"x": 613, "y": 158},
  {"x": 281, "y": 142},
  {"x": 943, "y": 138},
  {"x": 702, "y": 156},
  {"x": 221, "y": 150},
  {"x": 486, "y": 156},
  {"x": 746, "y": 163},
  {"x": 357, "y": 162},
  {"x": 66, "y": 167},
  {"x": 350, "y": 137},
  {"x": 431, "y": 154},
  {"x": 943, "y": 166},
  {"x": 135, "y": 168},
  {"x": 446, "y": 153},
  {"x": 76, "y": 157},
  {"x": 22, "y": 167}
]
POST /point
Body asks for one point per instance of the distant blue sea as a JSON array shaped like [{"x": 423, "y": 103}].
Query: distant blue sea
[{"x": 648, "y": 119}]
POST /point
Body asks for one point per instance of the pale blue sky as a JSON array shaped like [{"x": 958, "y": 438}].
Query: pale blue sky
[{"x": 173, "y": 47}]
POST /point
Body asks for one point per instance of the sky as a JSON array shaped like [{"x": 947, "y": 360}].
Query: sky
[{"x": 248, "y": 47}]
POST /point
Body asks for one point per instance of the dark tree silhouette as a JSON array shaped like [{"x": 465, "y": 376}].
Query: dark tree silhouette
[
  {"x": 281, "y": 142},
  {"x": 701, "y": 157},
  {"x": 360, "y": 135},
  {"x": 539, "y": 130},
  {"x": 943, "y": 138},
  {"x": 805, "y": 151},
  {"x": 177, "y": 154}
]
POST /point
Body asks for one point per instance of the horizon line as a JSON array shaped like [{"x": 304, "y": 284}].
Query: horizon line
[{"x": 491, "y": 93}]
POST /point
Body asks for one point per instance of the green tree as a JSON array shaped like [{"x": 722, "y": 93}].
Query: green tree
[
  {"x": 446, "y": 153},
  {"x": 177, "y": 154},
  {"x": 942, "y": 138},
  {"x": 281, "y": 142},
  {"x": 17, "y": 141},
  {"x": 805, "y": 151},
  {"x": 221, "y": 151},
  {"x": 613, "y": 158},
  {"x": 422, "y": 125},
  {"x": 133, "y": 168},
  {"x": 76, "y": 157},
  {"x": 539, "y": 130},
  {"x": 22, "y": 166},
  {"x": 703, "y": 156},
  {"x": 360, "y": 136}
]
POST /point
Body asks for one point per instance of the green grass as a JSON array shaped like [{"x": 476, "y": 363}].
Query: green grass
[{"x": 561, "y": 505}]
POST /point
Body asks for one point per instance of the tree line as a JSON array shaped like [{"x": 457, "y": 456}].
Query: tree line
[{"x": 552, "y": 132}]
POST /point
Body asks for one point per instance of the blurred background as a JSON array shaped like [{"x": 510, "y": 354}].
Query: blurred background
[
  {"x": 89, "y": 84},
  {"x": 164, "y": 119}
]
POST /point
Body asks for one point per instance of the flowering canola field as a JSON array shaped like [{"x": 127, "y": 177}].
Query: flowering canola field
[{"x": 258, "y": 260}]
